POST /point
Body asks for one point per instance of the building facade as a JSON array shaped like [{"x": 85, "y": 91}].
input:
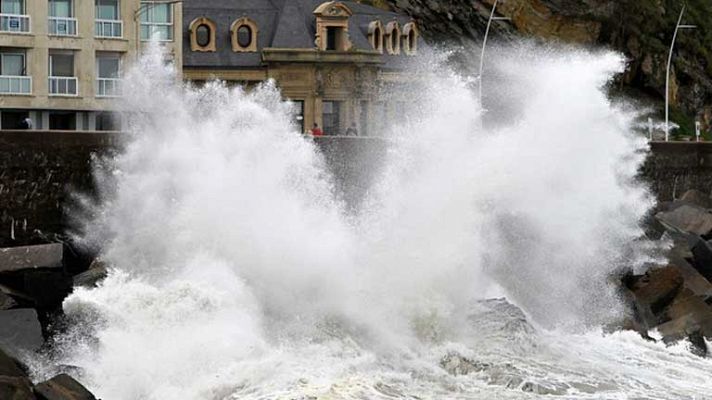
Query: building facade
[
  {"x": 334, "y": 59},
  {"x": 61, "y": 61}
]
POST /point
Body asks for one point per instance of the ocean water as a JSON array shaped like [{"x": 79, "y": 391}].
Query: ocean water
[{"x": 477, "y": 265}]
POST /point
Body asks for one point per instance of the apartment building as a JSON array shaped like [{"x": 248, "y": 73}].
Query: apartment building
[
  {"x": 61, "y": 61},
  {"x": 343, "y": 64}
]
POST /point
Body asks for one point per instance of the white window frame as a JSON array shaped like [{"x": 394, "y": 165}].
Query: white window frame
[
  {"x": 147, "y": 7},
  {"x": 17, "y": 78},
  {"x": 24, "y": 61},
  {"x": 102, "y": 82},
  {"x": 66, "y": 78},
  {"x": 101, "y": 25},
  {"x": 23, "y": 19},
  {"x": 71, "y": 21}
]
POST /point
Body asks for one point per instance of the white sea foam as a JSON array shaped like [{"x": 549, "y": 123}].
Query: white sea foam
[{"x": 239, "y": 273}]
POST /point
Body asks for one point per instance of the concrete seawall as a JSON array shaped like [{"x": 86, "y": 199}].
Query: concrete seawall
[
  {"x": 674, "y": 167},
  {"x": 40, "y": 169}
]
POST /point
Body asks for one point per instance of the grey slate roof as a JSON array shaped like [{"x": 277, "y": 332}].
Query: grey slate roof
[{"x": 281, "y": 24}]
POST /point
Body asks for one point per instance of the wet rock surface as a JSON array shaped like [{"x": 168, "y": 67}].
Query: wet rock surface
[
  {"x": 20, "y": 330},
  {"x": 676, "y": 299},
  {"x": 62, "y": 387},
  {"x": 34, "y": 281}
]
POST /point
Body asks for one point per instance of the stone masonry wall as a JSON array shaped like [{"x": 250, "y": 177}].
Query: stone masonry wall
[
  {"x": 39, "y": 170},
  {"x": 674, "y": 167}
]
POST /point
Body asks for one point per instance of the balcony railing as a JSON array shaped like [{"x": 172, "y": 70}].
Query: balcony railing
[
  {"x": 63, "y": 86},
  {"x": 62, "y": 26},
  {"x": 108, "y": 87},
  {"x": 107, "y": 28},
  {"x": 14, "y": 23},
  {"x": 15, "y": 84}
]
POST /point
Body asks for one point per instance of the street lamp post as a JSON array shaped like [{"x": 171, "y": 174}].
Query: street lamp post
[
  {"x": 484, "y": 44},
  {"x": 667, "y": 73}
]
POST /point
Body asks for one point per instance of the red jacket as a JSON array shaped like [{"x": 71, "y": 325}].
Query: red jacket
[{"x": 317, "y": 132}]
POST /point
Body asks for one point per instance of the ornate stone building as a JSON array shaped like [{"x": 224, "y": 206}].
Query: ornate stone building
[
  {"x": 334, "y": 59},
  {"x": 61, "y": 60}
]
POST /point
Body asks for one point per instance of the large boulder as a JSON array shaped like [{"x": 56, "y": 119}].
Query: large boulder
[
  {"x": 20, "y": 330},
  {"x": 656, "y": 289},
  {"x": 98, "y": 270},
  {"x": 687, "y": 218},
  {"x": 47, "y": 288},
  {"x": 29, "y": 257},
  {"x": 6, "y": 302},
  {"x": 16, "y": 388},
  {"x": 62, "y": 387},
  {"x": 702, "y": 254},
  {"x": 20, "y": 297},
  {"x": 10, "y": 366},
  {"x": 697, "y": 198}
]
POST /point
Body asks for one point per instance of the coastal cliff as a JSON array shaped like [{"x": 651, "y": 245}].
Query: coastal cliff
[{"x": 641, "y": 30}]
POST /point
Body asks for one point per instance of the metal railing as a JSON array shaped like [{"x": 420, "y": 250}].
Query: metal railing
[
  {"x": 63, "y": 86},
  {"x": 108, "y": 87},
  {"x": 108, "y": 28},
  {"x": 14, "y": 23},
  {"x": 62, "y": 26},
  {"x": 15, "y": 84}
]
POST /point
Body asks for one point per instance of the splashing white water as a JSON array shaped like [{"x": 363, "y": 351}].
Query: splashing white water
[{"x": 238, "y": 274}]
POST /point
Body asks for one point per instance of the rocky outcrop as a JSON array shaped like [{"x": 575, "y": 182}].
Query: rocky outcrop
[
  {"x": 62, "y": 387},
  {"x": 641, "y": 30},
  {"x": 676, "y": 299},
  {"x": 15, "y": 384},
  {"x": 34, "y": 281}
]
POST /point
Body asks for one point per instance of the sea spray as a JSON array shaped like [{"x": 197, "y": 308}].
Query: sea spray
[{"x": 240, "y": 274}]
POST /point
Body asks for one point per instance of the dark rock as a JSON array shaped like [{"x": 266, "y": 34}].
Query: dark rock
[
  {"x": 686, "y": 315},
  {"x": 657, "y": 288},
  {"x": 697, "y": 198},
  {"x": 17, "y": 295},
  {"x": 694, "y": 281},
  {"x": 698, "y": 346},
  {"x": 687, "y": 218},
  {"x": 28, "y": 257},
  {"x": 91, "y": 277},
  {"x": 688, "y": 304},
  {"x": 10, "y": 366},
  {"x": 702, "y": 253},
  {"x": 20, "y": 330},
  {"x": 16, "y": 388},
  {"x": 62, "y": 387},
  {"x": 6, "y": 302},
  {"x": 48, "y": 288}
]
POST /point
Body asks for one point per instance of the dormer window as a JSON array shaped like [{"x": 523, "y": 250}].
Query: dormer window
[
  {"x": 202, "y": 34},
  {"x": 332, "y": 26},
  {"x": 244, "y": 35},
  {"x": 410, "y": 38},
  {"x": 393, "y": 38},
  {"x": 375, "y": 35}
]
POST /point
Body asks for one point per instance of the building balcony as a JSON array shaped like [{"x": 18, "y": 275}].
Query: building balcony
[
  {"x": 63, "y": 86},
  {"x": 14, "y": 23},
  {"x": 108, "y": 87},
  {"x": 15, "y": 84},
  {"x": 62, "y": 26},
  {"x": 107, "y": 28}
]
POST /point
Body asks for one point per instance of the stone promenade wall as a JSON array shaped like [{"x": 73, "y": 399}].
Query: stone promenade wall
[
  {"x": 674, "y": 167},
  {"x": 39, "y": 170}
]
